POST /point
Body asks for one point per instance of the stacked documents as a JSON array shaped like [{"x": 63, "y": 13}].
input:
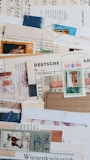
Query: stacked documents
[{"x": 44, "y": 80}]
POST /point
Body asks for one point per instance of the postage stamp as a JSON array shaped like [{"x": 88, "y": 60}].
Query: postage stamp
[
  {"x": 73, "y": 79},
  {"x": 40, "y": 141},
  {"x": 65, "y": 29},
  {"x": 56, "y": 136},
  {"x": 14, "y": 140},
  {"x": 73, "y": 82}
]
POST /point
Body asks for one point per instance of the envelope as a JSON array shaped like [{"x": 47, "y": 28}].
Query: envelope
[
  {"x": 40, "y": 66},
  {"x": 21, "y": 32},
  {"x": 56, "y": 101},
  {"x": 42, "y": 38},
  {"x": 55, "y": 115},
  {"x": 74, "y": 149},
  {"x": 10, "y": 76}
]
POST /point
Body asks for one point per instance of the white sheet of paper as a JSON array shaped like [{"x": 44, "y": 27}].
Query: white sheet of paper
[
  {"x": 72, "y": 41},
  {"x": 10, "y": 19},
  {"x": 58, "y": 151},
  {"x": 60, "y": 2},
  {"x": 64, "y": 14},
  {"x": 54, "y": 115}
]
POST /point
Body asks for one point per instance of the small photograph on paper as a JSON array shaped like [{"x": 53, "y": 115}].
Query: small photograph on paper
[{"x": 14, "y": 140}]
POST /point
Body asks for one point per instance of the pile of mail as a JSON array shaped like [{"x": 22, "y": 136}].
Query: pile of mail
[{"x": 45, "y": 80}]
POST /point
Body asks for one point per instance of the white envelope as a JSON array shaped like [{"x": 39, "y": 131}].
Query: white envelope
[
  {"x": 46, "y": 65},
  {"x": 74, "y": 147},
  {"x": 54, "y": 115},
  {"x": 42, "y": 38}
]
